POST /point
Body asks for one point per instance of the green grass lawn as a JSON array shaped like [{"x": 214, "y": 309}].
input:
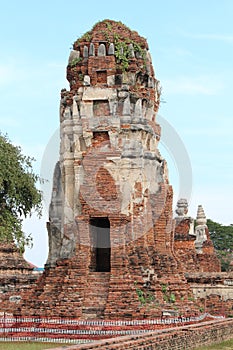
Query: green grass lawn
[
  {"x": 30, "y": 346},
  {"x": 226, "y": 345}
]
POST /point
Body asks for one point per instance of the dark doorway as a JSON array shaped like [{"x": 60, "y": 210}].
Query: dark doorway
[{"x": 101, "y": 247}]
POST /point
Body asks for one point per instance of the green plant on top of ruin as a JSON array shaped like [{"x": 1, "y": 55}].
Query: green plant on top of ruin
[
  {"x": 108, "y": 25},
  {"x": 75, "y": 61},
  {"x": 121, "y": 44},
  {"x": 85, "y": 37},
  {"x": 123, "y": 52}
]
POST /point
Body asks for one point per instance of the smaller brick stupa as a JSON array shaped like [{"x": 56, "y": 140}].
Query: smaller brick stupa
[{"x": 192, "y": 245}]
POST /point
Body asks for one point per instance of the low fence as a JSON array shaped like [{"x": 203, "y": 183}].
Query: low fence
[{"x": 81, "y": 331}]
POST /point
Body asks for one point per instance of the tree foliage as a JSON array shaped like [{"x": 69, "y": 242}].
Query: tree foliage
[
  {"x": 18, "y": 193},
  {"x": 222, "y": 238}
]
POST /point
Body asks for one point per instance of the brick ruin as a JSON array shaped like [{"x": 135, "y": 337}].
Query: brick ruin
[
  {"x": 212, "y": 289},
  {"x": 111, "y": 229},
  {"x": 194, "y": 246},
  {"x": 16, "y": 276},
  {"x": 179, "y": 338},
  {"x": 114, "y": 249}
]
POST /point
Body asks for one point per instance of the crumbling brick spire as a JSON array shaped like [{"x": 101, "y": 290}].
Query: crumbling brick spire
[{"x": 110, "y": 227}]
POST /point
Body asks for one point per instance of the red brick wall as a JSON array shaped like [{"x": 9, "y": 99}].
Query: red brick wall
[
  {"x": 184, "y": 247},
  {"x": 188, "y": 337}
]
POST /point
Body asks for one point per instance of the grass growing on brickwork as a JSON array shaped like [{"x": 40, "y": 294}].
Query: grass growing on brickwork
[
  {"x": 226, "y": 345},
  {"x": 29, "y": 346}
]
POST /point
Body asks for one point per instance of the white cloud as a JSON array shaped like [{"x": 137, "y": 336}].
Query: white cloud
[{"x": 202, "y": 85}]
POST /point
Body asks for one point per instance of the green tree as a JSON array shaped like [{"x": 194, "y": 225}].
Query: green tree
[
  {"x": 222, "y": 238},
  {"x": 19, "y": 196}
]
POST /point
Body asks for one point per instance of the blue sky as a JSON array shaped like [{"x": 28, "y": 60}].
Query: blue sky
[{"x": 192, "y": 50}]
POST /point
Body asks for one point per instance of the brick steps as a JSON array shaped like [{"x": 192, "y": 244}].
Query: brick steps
[{"x": 96, "y": 294}]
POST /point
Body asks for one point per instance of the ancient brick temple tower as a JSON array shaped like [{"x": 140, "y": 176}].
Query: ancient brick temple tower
[{"x": 110, "y": 229}]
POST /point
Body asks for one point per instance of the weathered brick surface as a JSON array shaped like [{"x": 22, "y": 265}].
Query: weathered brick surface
[
  {"x": 213, "y": 291},
  {"x": 111, "y": 184},
  {"x": 184, "y": 246},
  {"x": 110, "y": 170},
  {"x": 16, "y": 276},
  {"x": 188, "y": 337}
]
